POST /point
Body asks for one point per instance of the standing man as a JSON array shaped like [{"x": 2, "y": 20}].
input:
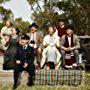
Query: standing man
[
  {"x": 61, "y": 28},
  {"x": 36, "y": 38},
  {"x": 24, "y": 61},
  {"x": 70, "y": 43}
]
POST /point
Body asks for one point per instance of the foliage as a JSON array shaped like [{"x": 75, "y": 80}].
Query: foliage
[
  {"x": 22, "y": 25},
  {"x": 18, "y": 22},
  {"x": 76, "y": 11},
  {"x": 5, "y": 13},
  {"x": 1, "y": 25},
  {"x": 3, "y": 1},
  {"x": 47, "y": 12}
]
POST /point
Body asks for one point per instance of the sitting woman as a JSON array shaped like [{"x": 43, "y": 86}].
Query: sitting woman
[
  {"x": 50, "y": 52},
  {"x": 9, "y": 44}
]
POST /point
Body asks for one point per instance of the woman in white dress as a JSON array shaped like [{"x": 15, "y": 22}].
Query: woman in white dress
[{"x": 50, "y": 52}]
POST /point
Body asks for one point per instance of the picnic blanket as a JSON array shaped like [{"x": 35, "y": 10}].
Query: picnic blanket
[{"x": 58, "y": 77}]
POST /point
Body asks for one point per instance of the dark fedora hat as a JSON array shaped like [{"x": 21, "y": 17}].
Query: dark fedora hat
[{"x": 33, "y": 25}]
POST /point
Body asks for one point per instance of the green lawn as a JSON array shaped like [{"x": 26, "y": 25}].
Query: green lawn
[{"x": 25, "y": 87}]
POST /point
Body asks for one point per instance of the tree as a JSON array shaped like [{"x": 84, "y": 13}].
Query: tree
[
  {"x": 4, "y": 15},
  {"x": 22, "y": 25},
  {"x": 18, "y": 22},
  {"x": 3, "y": 1},
  {"x": 76, "y": 12},
  {"x": 43, "y": 15}
]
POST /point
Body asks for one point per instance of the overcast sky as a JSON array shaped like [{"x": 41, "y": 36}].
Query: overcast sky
[{"x": 20, "y": 8}]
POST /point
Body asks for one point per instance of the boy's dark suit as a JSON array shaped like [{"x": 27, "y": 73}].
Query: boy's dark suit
[{"x": 25, "y": 56}]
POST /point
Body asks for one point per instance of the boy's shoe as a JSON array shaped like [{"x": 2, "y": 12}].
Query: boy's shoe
[{"x": 30, "y": 84}]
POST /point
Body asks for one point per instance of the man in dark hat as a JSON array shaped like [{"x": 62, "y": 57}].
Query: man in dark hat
[
  {"x": 36, "y": 38},
  {"x": 24, "y": 61},
  {"x": 61, "y": 28},
  {"x": 70, "y": 45}
]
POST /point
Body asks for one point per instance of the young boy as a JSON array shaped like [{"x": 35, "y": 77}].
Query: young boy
[{"x": 24, "y": 61}]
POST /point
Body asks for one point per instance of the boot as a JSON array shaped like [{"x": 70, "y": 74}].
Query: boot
[
  {"x": 14, "y": 86},
  {"x": 30, "y": 81}
]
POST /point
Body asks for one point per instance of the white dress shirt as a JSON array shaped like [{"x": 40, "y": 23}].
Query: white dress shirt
[
  {"x": 33, "y": 37},
  {"x": 69, "y": 40}
]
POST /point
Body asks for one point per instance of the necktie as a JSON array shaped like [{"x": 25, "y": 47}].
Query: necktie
[{"x": 24, "y": 47}]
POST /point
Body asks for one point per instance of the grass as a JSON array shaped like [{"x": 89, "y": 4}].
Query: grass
[
  {"x": 25, "y": 87},
  {"x": 87, "y": 81}
]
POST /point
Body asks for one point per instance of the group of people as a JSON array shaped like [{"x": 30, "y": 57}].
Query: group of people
[{"x": 58, "y": 48}]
